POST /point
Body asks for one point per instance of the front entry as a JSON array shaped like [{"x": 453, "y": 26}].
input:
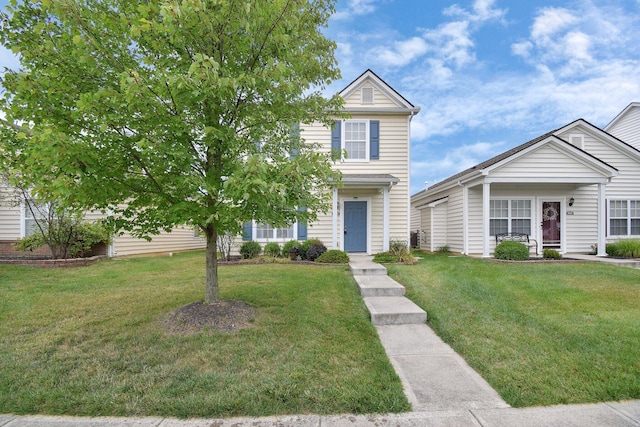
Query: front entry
[
  {"x": 551, "y": 236},
  {"x": 355, "y": 226}
]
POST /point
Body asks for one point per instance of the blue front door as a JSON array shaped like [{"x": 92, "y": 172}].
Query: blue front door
[{"x": 355, "y": 226}]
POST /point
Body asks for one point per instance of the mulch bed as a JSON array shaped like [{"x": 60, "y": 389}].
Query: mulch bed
[{"x": 228, "y": 316}]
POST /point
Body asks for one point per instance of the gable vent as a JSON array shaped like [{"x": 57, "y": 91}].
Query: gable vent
[{"x": 367, "y": 95}]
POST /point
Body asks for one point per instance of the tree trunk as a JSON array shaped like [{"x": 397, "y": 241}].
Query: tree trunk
[{"x": 212, "y": 295}]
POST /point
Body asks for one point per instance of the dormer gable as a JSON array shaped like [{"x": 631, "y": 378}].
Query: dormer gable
[{"x": 369, "y": 93}]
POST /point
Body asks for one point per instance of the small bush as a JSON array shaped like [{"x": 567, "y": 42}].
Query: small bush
[
  {"x": 551, "y": 254},
  {"x": 443, "y": 249},
  {"x": 307, "y": 244},
  {"x": 385, "y": 257},
  {"x": 510, "y": 250},
  {"x": 334, "y": 256},
  {"x": 315, "y": 251},
  {"x": 272, "y": 249},
  {"x": 286, "y": 248},
  {"x": 250, "y": 249},
  {"x": 629, "y": 248}
]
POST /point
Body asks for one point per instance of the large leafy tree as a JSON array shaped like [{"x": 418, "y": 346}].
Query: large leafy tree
[{"x": 168, "y": 113}]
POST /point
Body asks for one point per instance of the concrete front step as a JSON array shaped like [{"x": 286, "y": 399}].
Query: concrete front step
[
  {"x": 394, "y": 311},
  {"x": 367, "y": 269},
  {"x": 379, "y": 286}
]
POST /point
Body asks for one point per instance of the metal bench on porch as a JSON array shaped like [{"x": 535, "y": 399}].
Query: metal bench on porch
[{"x": 517, "y": 237}]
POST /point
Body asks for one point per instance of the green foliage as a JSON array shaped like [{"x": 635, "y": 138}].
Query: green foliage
[
  {"x": 66, "y": 237},
  {"x": 250, "y": 249},
  {"x": 627, "y": 248},
  {"x": 400, "y": 250},
  {"x": 272, "y": 249},
  {"x": 551, "y": 254},
  {"x": 385, "y": 257},
  {"x": 510, "y": 250},
  {"x": 151, "y": 111},
  {"x": 315, "y": 251},
  {"x": 286, "y": 248},
  {"x": 334, "y": 256},
  {"x": 310, "y": 242},
  {"x": 443, "y": 249}
]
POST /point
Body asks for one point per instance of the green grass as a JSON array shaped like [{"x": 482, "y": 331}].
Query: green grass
[
  {"x": 539, "y": 333},
  {"x": 89, "y": 341}
]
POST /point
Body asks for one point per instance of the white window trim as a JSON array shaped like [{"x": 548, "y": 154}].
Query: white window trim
[
  {"x": 628, "y": 217},
  {"x": 363, "y": 99},
  {"x": 510, "y": 218},
  {"x": 579, "y": 137},
  {"x": 254, "y": 233},
  {"x": 367, "y": 141}
]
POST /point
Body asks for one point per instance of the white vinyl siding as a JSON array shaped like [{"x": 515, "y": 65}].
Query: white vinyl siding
[{"x": 627, "y": 128}]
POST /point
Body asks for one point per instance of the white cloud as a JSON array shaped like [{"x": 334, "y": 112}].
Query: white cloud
[
  {"x": 355, "y": 8},
  {"x": 403, "y": 52},
  {"x": 550, "y": 21}
]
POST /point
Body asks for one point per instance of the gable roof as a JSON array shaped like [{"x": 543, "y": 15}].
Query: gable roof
[
  {"x": 621, "y": 115},
  {"x": 403, "y": 105},
  {"x": 514, "y": 152}
]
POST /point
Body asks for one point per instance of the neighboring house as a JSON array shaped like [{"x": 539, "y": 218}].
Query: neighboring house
[
  {"x": 570, "y": 189},
  {"x": 626, "y": 125},
  {"x": 16, "y": 222},
  {"x": 372, "y": 205}
]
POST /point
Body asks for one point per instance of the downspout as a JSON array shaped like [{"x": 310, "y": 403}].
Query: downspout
[{"x": 411, "y": 114}]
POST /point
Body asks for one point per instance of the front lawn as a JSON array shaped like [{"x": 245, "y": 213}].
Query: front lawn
[
  {"x": 90, "y": 341},
  {"x": 539, "y": 333}
]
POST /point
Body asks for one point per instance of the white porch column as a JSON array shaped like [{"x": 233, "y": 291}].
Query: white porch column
[
  {"x": 465, "y": 220},
  {"x": 335, "y": 244},
  {"x": 486, "y": 201},
  {"x": 386, "y": 206},
  {"x": 602, "y": 226}
]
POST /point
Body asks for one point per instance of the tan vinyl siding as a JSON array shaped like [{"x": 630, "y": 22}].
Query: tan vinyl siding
[
  {"x": 381, "y": 100},
  {"x": 440, "y": 221},
  {"x": 425, "y": 236},
  {"x": 627, "y": 128},
  {"x": 9, "y": 222},
  {"x": 180, "y": 239}
]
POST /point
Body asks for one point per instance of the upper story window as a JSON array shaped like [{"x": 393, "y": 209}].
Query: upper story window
[
  {"x": 624, "y": 218},
  {"x": 360, "y": 139},
  {"x": 509, "y": 216},
  {"x": 356, "y": 137}
]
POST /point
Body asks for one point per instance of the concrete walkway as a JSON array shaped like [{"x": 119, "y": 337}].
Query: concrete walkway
[{"x": 442, "y": 388}]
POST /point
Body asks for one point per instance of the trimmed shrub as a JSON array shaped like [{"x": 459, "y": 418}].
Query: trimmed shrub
[
  {"x": 385, "y": 257},
  {"x": 628, "y": 248},
  {"x": 308, "y": 243},
  {"x": 400, "y": 250},
  {"x": 291, "y": 244},
  {"x": 272, "y": 249},
  {"x": 551, "y": 254},
  {"x": 334, "y": 256},
  {"x": 250, "y": 249},
  {"x": 510, "y": 250},
  {"x": 315, "y": 251}
]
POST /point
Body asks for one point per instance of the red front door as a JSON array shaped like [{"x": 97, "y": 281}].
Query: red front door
[{"x": 551, "y": 225}]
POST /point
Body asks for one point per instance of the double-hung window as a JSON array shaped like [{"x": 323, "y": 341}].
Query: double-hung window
[
  {"x": 509, "y": 216},
  {"x": 30, "y": 209},
  {"x": 356, "y": 140},
  {"x": 265, "y": 232},
  {"x": 624, "y": 217}
]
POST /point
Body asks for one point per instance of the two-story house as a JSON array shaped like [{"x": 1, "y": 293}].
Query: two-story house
[{"x": 371, "y": 206}]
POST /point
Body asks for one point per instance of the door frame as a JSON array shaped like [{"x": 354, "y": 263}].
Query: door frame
[
  {"x": 563, "y": 221},
  {"x": 341, "y": 220}
]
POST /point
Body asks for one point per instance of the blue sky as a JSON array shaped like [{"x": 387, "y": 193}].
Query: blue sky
[
  {"x": 488, "y": 74},
  {"x": 491, "y": 74}
]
